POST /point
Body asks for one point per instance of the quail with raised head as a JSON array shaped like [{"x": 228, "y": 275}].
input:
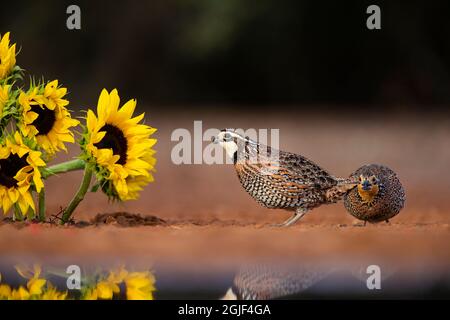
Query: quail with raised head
[
  {"x": 281, "y": 180},
  {"x": 379, "y": 195}
]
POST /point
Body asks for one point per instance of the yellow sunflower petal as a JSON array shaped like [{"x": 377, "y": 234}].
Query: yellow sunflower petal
[
  {"x": 6, "y": 204},
  {"x": 128, "y": 108},
  {"x": 103, "y": 104}
]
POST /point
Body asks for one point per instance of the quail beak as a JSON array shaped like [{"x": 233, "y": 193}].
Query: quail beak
[{"x": 366, "y": 186}]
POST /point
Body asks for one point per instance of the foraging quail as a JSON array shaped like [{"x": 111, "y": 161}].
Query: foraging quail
[
  {"x": 281, "y": 180},
  {"x": 379, "y": 195},
  {"x": 264, "y": 282}
]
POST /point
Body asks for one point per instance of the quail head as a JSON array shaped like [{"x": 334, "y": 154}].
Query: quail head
[{"x": 379, "y": 195}]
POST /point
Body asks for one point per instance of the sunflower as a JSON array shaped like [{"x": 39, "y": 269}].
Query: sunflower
[
  {"x": 119, "y": 146},
  {"x": 53, "y": 294},
  {"x": 36, "y": 283},
  {"x": 140, "y": 286},
  {"x": 44, "y": 116},
  {"x": 19, "y": 171},
  {"x": 5, "y": 290},
  {"x": 137, "y": 285},
  {"x": 7, "y": 56}
]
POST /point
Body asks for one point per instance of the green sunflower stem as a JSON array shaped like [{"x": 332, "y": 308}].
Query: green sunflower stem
[
  {"x": 30, "y": 214},
  {"x": 79, "y": 196},
  {"x": 42, "y": 206},
  {"x": 72, "y": 165},
  {"x": 17, "y": 214}
]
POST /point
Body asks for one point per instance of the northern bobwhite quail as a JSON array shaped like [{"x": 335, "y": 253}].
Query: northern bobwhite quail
[
  {"x": 281, "y": 180},
  {"x": 265, "y": 282},
  {"x": 379, "y": 195}
]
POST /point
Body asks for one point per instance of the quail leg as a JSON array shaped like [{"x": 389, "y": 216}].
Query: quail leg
[{"x": 299, "y": 213}]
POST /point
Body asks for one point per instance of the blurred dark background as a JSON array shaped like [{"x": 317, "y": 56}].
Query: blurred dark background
[{"x": 251, "y": 54}]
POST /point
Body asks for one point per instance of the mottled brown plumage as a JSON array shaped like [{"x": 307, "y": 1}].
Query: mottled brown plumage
[
  {"x": 265, "y": 282},
  {"x": 281, "y": 180},
  {"x": 301, "y": 280},
  {"x": 379, "y": 195}
]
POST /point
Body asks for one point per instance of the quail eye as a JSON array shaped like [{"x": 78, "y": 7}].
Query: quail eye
[{"x": 227, "y": 137}]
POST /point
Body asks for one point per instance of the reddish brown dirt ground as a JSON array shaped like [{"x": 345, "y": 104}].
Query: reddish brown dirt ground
[{"x": 210, "y": 217}]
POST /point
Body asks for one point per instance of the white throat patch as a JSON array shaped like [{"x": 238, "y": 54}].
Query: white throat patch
[{"x": 230, "y": 148}]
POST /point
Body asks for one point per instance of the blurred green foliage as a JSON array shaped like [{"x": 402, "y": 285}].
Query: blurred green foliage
[{"x": 187, "y": 52}]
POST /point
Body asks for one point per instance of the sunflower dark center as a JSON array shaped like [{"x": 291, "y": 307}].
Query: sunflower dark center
[
  {"x": 9, "y": 168},
  {"x": 114, "y": 139},
  {"x": 45, "y": 120}
]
